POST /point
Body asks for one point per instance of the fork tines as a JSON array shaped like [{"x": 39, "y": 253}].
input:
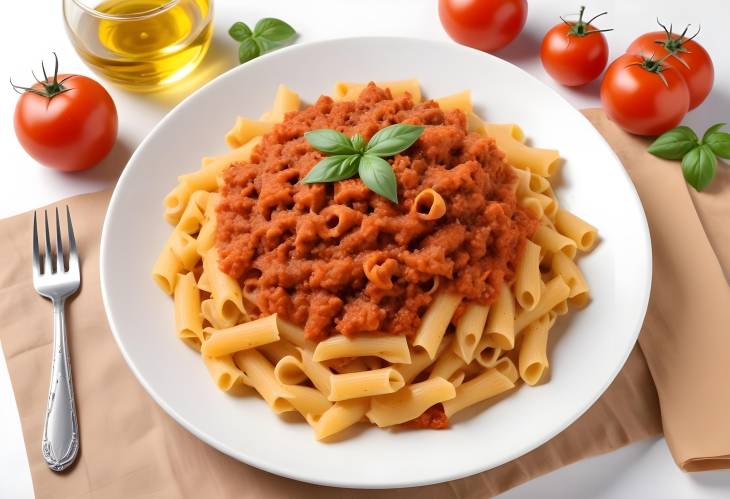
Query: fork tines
[{"x": 48, "y": 266}]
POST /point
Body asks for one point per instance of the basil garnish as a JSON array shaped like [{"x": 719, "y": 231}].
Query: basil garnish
[{"x": 350, "y": 156}]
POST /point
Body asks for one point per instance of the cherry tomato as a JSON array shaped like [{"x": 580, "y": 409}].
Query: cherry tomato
[
  {"x": 644, "y": 96},
  {"x": 574, "y": 53},
  {"x": 67, "y": 122},
  {"x": 483, "y": 24},
  {"x": 687, "y": 56}
]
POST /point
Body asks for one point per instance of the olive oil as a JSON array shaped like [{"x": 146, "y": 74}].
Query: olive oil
[{"x": 145, "y": 44}]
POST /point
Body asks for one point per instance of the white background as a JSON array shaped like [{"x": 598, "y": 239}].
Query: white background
[{"x": 35, "y": 29}]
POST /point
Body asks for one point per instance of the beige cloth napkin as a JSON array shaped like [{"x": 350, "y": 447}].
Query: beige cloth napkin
[{"x": 130, "y": 448}]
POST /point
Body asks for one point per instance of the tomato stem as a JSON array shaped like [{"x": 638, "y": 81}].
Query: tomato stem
[
  {"x": 581, "y": 27},
  {"x": 675, "y": 46},
  {"x": 654, "y": 66},
  {"x": 50, "y": 89}
]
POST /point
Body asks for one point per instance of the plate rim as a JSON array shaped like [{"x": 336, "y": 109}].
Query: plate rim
[{"x": 271, "y": 467}]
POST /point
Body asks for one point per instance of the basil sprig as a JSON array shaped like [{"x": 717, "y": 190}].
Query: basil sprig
[
  {"x": 351, "y": 155},
  {"x": 699, "y": 156},
  {"x": 268, "y": 34}
]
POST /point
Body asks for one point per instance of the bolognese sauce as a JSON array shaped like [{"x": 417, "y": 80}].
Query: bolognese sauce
[{"x": 339, "y": 258}]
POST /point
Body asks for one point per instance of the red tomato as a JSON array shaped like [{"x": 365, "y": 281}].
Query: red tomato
[
  {"x": 483, "y": 24},
  {"x": 574, "y": 53},
  {"x": 68, "y": 122},
  {"x": 687, "y": 56},
  {"x": 644, "y": 96}
]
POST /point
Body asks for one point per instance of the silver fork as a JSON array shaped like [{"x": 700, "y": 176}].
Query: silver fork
[{"x": 55, "y": 282}]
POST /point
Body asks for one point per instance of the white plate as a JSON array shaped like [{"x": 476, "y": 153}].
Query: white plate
[{"x": 584, "y": 358}]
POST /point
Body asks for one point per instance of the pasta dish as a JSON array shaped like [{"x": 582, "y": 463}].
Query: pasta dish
[{"x": 345, "y": 305}]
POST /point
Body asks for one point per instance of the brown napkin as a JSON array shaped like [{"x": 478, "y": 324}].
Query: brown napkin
[{"x": 131, "y": 448}]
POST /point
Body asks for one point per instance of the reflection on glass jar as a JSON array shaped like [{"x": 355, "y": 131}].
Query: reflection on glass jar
[{"x": 140, "y": 44}]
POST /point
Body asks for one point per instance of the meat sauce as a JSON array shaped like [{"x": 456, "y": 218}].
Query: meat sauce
[{"x": 299, "y": 249}]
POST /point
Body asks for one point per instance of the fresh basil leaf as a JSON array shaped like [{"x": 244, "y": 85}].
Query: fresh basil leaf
[
  {"x": 273, "y": 29},
  {"x": 378, "y": 175},
  {"x": 266, "y": 45},
  {"x": 239, "y": 31},
  {"x": 674, "y": 144},
  {"x": 330, "y": 141},
  {"x": 393, "y": 139},
  {"x": 358, "y": 142},
  {"x": 711, "y": 130},
  {"x": 698, "y": 167},
  {"x": 248, "y": 50},
  {"x": 719, "y": 142},
  {"x": 332, "y": 169}
]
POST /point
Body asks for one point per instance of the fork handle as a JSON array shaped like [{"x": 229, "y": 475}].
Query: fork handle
[{"x": 60, "y": 431}]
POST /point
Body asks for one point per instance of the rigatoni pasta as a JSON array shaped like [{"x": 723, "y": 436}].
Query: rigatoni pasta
[{"x": 302, "y": 304}]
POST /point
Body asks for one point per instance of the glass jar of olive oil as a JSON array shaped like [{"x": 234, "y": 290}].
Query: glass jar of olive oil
[{"x": 140, "y": 44}]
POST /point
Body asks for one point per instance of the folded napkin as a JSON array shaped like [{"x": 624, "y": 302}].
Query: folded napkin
[{"x": 131, "y": 448}]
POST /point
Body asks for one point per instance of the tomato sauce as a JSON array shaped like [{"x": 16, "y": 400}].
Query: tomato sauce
[{"x": 301, "y": 248}]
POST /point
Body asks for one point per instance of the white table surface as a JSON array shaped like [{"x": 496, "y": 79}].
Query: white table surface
[{"x": 33, "y": 29}]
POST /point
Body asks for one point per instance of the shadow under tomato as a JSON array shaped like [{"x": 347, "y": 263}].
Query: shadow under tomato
[
  {"x": 107, "y": 171},
  {"x": 526, "y": 47}
]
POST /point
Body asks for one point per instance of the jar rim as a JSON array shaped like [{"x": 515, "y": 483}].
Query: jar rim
[{"x": 125, "y": 17}]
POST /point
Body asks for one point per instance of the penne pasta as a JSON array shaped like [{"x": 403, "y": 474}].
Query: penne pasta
[
  {"x": 350, "y": 91},
  {"x": 552, "y": 241},
  {"x": 224, "y": 372},
  {"x": 435, "y": 321},
  {"x": 500, "y": 329},
  {"x": 391, "y": 348},
  {"x": 241, "y": 337},
  {"x": 485, "y": 386},
  {"x": 555, "y": 292},
  {"x": 460, "y": 100},
  {"x": 420, "y": 361},
  {"x": 487, "y": 353},
  {"x": 544, "y": 162},
  {"x": 246, "y": 129},
  {"x": 176, "y": 201},
  {"x": 260, "y": 375},
  {"x": 185, "y": 248},
  {"x": 582, "y": 233},
  {"x": 447, "y": 366},
  {"x": 533, "y": 359},
  {"x": 308, "y": 401},
  {"x": 567, "y": 269},
  {"x": 166, "y": 269},
  {"x": 224, "y": 290},
  {"x": 365, "y": 384},
  {"x": 469, "y": 330},
  {"x": 188, "y": 320},
  {"x": 527, "y": 278},
  {"x": 338, "y": 417},
  {"x": 410, "y": 402}
]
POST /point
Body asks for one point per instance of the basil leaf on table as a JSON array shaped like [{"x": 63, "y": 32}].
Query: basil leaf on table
[
  {"x": 268, "y": 34},
  {"x": 239, "y": 31},
  {"x": 393, "y": 139},
  {"x": 698, "y": 166},
  {"x": 719, "y": 142},
  {"x": 248, "y": 50},
  {"x": 333, "y": 168},
  {"x": 330, "y": 141},
  {"x": 714, "y": 128},
  {"x": 273, "y": 29},
  {"x": 378, "y": 175},
  {"x": 675, "y": 143}
]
